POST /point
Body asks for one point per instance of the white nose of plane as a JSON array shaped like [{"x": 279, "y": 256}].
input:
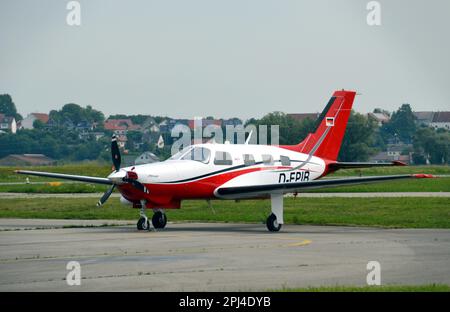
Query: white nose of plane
[{"x": 117, "y": 176}]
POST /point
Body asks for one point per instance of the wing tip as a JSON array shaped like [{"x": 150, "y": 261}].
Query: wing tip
[{"x": 423, "y": 176}]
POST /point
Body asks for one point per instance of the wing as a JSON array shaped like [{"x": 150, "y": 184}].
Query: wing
[
  {"x": 267, "y": 189},
  {"x": 352, "y": 165},
  {"x": 66, "y": 176}
]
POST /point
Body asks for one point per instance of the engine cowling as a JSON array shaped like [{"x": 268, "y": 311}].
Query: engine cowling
[{"x": 125, "y": 201}]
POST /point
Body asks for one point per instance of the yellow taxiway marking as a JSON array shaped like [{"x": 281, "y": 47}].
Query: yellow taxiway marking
[{"x": 304, "y": 242}]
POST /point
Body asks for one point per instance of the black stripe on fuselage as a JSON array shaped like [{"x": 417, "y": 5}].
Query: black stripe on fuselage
[{"x": 223, "y": 171}]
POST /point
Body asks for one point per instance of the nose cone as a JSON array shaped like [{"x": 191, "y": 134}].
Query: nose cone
[{"x": 117, "y": 176}]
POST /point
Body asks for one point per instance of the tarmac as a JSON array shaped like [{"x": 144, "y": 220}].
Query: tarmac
[{"x": 114, "y": 256}]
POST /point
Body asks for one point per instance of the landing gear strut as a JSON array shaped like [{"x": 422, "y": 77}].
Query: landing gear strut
[
  {"x": 275, "y": 220},
  {"x": 143, "y": 222}
]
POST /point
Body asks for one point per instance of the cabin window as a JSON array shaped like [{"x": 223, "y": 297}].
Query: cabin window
[
  {"x": 285, "y": 161},
  {"x": 267, "y": 159},
  {"x": 200, "y": 154},
  {"x": 223, "y": 158},
  {"x": 249, "y": 160}
]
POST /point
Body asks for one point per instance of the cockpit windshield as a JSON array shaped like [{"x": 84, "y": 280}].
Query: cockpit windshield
[
  {"x": 200, "y": 154},
  {"x": 178, "y": 155}
]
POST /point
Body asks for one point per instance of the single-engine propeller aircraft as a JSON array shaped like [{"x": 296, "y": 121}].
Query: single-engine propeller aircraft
[{"x": 237, "y": 171}]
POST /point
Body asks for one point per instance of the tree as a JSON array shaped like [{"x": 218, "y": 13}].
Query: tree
[
  {"x": 402, "y": 125},
  {"x": 431, "y": 145},
  {"x": 75, "y": 114},
  {"x": 8, "y": 107},
  {"x": 291, "y": 131},
  {"x": 38, "y": 124},
  {"x": 381, "y": 111},
  {"x": 359, "y": 138}
]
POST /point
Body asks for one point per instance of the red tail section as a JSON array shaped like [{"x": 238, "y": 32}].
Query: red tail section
[{"x": 326, "y": 141}]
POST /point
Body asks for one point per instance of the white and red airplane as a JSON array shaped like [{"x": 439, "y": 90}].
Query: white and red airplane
[{"x": 237, "y": 171}]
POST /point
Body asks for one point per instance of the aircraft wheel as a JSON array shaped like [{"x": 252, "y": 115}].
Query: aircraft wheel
[
  {"x": 159, "y": 220},
  {"x": 272, "y": 224},
  {"x": 143, "y": 224}
]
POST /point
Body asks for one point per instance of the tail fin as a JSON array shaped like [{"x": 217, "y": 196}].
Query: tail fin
[{"x": 326, "y": 141}]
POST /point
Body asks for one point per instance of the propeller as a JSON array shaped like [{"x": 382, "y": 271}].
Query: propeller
[
  {"x": 115, "y": 153},
  {"x": 131, "y": 177},
  {"x": 106, "y": 195}
]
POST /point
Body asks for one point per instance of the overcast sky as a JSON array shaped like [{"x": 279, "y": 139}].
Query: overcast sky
[{"x": 243, "y": 58}]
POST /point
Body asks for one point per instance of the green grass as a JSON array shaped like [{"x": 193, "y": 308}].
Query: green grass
[
  {"x": 89, "y": 168},
  {"x": 52, "y": 189},
  {"x": 408, "y": 212},
  {"x": 386, "y": 288},
  {"x": 409, "y": 185},
  {"x": 393, "y": 170}
]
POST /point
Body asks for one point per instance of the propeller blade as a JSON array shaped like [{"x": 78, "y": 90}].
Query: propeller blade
[
  {"x": 115, "y": 153},
  {"x": 132, "y": 178},
  {"x": 140, "y": 186},
  {"x": 136, "y": 184},
  {"x": 105, "y": 196}
]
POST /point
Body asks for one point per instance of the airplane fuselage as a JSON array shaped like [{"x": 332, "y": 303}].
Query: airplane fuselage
[{"x": 200, "y": 170}]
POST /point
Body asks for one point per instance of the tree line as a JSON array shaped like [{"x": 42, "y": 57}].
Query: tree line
[{"x": 362, "y": 139}]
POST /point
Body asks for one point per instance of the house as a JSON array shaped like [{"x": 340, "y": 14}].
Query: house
[
  {"x": 146, "y": 158},
  {"x": 382, "y": 157},
  {"x": 120, "y": 126},
  {"x": 27, "y": 160},
  {"x": 424, "y": 118},
  {"x": 122, "y": 140},
  {"x": 27, "y": 123},
  {"x": 302, "y": 116},
  {"x": 380, "y": 118},
  {"x": 204, "y": 122},
  {"x": 150, "y": 125},
  {"x": 437, "y": 120},
  {"x": 392, "y": 153},
  {"x": 232, "y": 122},
  {"x": 441, "y": 120},
  {"x": 8, "y": 124}
]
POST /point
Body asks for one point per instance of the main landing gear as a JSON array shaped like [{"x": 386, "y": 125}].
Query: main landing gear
[
  {"x": 159, "y": 219},
  {"x": 275, "y": 220}
]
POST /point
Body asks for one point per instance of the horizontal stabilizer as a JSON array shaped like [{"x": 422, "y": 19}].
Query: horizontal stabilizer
[{"x": 354, "y": 165}]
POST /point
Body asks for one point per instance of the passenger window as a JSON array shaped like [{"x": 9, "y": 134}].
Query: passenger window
[
  {"x": 249, "y": 160},
  {"x": 223, "y": 158},
  {"x": 267, "y": 159},
  {"x": 285, "y": 161}
]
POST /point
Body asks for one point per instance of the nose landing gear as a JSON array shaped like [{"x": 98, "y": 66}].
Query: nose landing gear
[
  {"x": 143, "y": 223},
  {"x": 159, "y": 219}
]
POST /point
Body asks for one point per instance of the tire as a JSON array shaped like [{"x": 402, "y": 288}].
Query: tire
[
  {"x": 143, "y": 224},
  {"x": 159, "y": 220},
  {"x": 272, "y": 224}
]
